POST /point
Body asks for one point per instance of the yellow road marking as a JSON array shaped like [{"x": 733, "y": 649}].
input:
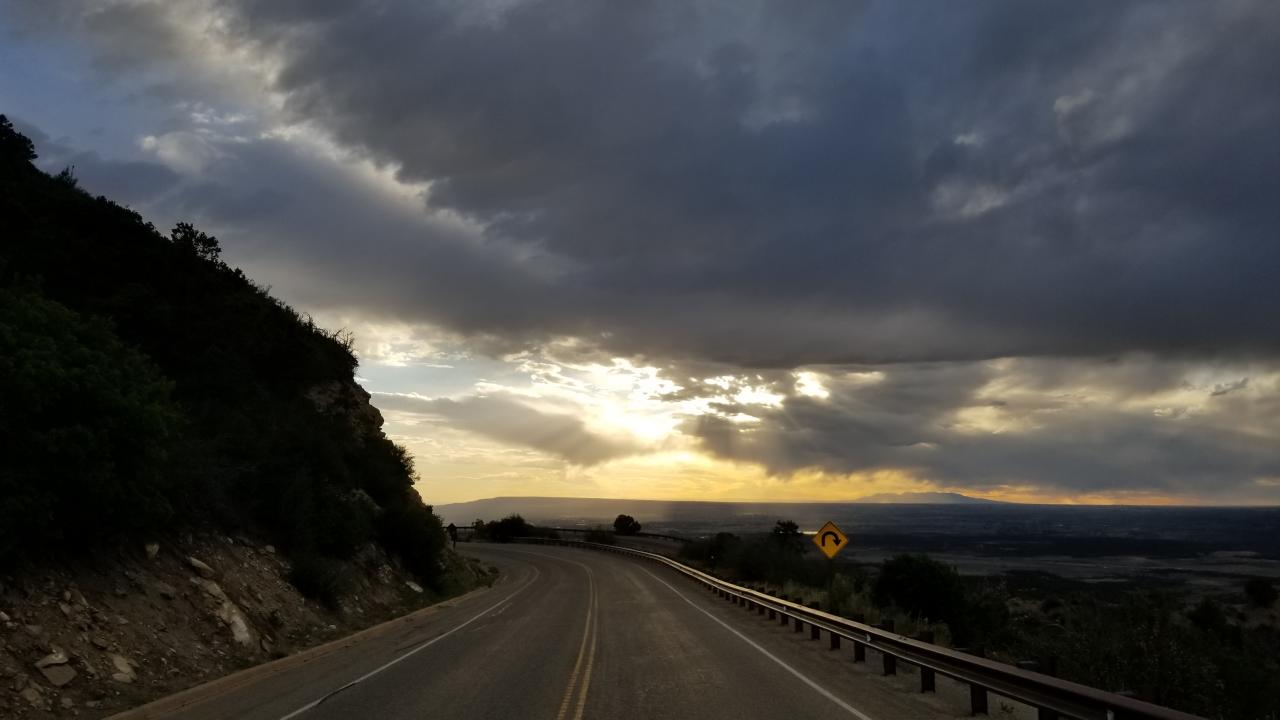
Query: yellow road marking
[
  {"x": 588, "y": 636},
  {"x": 591, "y": 657}
]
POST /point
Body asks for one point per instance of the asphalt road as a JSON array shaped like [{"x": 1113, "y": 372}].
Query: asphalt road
[{"x": 569, "y": 633}]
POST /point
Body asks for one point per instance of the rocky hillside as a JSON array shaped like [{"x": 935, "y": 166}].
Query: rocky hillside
[
  {"x": 155, "y": 401},
  {"x": 121, "y": 628}
]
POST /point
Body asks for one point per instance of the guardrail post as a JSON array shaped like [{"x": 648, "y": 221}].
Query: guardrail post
[
  {"x": 927, "y": 681},
  {"x": 814, "y": 632},
  {"x": 773, "y": 614},
  {"x": 835, "y": 641},
  {"x": 783, "y": 615},
  {"x": 799, "y": 623},
  {"x": 859, "y": 652},
  {"x": 890, "y": 661},
  {"x": 977, "y": 700}
]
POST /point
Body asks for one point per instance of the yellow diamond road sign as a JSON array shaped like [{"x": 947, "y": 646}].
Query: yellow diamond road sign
[{"x": 830, "y": 540}]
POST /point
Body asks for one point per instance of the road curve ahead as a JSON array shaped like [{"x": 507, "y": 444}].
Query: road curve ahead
[{"x": 568, "y": 634}]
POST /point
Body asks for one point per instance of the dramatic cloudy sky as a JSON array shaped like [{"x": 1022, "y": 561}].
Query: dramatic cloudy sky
[{"x": 747, "y": 249}]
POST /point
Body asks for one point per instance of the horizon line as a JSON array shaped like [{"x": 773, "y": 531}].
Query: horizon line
[{"x": 862, "y": 501}]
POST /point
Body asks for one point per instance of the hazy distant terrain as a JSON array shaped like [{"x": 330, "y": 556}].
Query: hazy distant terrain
[
  {"x": 926, "y": 498},
  {"x": 978, "y": 537},
  {"x": 572, "y": 511}
]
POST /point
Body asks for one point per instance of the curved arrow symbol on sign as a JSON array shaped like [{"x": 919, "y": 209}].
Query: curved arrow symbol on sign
[{"x": 833, "y": 537}]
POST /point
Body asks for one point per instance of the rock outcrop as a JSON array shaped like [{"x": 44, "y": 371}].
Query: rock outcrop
[{"x": 133, "y": 625}]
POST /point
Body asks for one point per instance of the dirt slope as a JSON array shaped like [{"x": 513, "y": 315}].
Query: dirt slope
[{"x": 135, "y": 623}]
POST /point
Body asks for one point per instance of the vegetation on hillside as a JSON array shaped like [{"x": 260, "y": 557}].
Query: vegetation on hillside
[
  {"x": 148, "y": 386},
  {"x": 1218, "y": 657}
]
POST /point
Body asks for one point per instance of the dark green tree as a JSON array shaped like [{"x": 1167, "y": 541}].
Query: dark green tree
[
  {"x": 920, "y": 586},
  {"x": 626, "y": 525},
  {"x": 203, "y": 246},
  {"x": 786, "y": 533},
  {"x": 86, "y": 426},
  {"x": 14, "y": 146}
]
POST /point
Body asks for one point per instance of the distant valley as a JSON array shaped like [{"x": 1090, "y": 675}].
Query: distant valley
[
  {"x": 561, "y": 510},
  {"x": 978, "y": 536}
]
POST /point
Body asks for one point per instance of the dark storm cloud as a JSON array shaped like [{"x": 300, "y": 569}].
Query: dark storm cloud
[
  {"x": 755, "y": 191},
  {"x": 509, "y": 421},
  {"x": 768, "y": 186},
  {"x": 1063, "y": 430},
  {"x": 741, "y": 188}
]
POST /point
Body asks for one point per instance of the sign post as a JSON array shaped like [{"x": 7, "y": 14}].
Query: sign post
[{"x": 830, "y": 540}]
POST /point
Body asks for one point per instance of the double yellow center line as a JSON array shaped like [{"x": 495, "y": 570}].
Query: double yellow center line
[{"x": 587, "y": 652}]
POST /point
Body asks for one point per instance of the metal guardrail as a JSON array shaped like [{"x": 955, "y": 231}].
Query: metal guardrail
[
  {"x": 1053, "y": 698},
  {"x": 659, "y": 536}
]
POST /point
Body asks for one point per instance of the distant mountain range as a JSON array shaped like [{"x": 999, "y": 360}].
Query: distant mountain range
[
  {"x": 591, "y": 511},
  {"x": 926, "y": 498}
]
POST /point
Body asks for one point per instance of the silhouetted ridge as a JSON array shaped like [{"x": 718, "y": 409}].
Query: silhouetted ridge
[{"x": 148, "y": 385}]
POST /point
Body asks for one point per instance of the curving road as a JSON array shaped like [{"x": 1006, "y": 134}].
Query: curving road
[{"x": 568, "y": 634}]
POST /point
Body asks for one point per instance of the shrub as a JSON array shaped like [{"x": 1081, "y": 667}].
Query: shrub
[
  {"x": 602, "y": 536},
  {"x": 86, "y": 426},
  {"x": 1208, "y": 615},
  {"x": 324, "y": 580},
  {"x": 507, "y": 529},
  {"x": 414, "y": 534},
  {"x": 1261, "y": 592},
  {"x": 626, "y": 525},
  {"x": 713, "y": 550},
  {"x": 921, "y": 586}
]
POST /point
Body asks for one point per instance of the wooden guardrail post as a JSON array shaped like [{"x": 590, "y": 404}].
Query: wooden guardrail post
[
  {"x": 890, "y": 662},
  {"x": 783, "y": 615},
  {"x": 977, "y": 700},
  {"x": 773, "y": 614},
  {"x": 814, "y": 632},
  {"x": 927, "y": 680}
]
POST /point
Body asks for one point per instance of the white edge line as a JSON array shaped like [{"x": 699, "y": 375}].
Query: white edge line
[
  {"x": 414, "y": 651},
  {"x": 818, "y": 688}
]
